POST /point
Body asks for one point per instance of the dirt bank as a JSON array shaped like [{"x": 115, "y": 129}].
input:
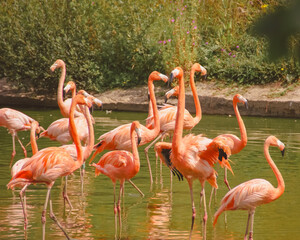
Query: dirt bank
[{"x": 272, "y": 100}]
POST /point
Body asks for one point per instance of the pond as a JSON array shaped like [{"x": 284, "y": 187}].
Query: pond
[{"x": 165, "y": 210}]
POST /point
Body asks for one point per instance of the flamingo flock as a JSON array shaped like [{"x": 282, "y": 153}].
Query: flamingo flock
[{"x": 191, "y": 157}]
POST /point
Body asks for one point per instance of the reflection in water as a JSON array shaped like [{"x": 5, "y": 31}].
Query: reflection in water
[{"x": 165, "y": 212}]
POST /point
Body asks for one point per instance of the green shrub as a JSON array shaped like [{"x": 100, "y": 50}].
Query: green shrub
[{"x": 109, "y": 44}]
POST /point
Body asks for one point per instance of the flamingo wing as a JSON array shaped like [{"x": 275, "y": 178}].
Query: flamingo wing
[
  {"x": 246, "y": 196},
  {"x": 15, "y": 120},
  {"x": 163, "y": 151}
]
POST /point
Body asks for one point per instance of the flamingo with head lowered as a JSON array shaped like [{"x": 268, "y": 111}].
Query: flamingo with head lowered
[
  {"x": 253, "y": 193},
  {"x": 51, "y": 163}
]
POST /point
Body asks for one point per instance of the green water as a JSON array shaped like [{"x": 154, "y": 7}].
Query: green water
[{"x": 165, "y": 211}]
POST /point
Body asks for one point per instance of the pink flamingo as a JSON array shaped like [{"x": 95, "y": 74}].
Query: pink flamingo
[
  {"x": 121, "y": 165},
  {"x": 51, "y": 163},
  {"x": 19, "y": 164},
  {"x": 167, "y": 114},
  {"x": 193, "y": 156},
  {"x": 15, "y": 121},
  {"x": 119, "y": 138},
  {"x": 71, "y": 148},
  {"x": 250, "y": 194}
]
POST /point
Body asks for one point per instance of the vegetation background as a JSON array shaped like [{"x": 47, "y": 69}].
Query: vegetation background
[{"x": 117, "y": 43}]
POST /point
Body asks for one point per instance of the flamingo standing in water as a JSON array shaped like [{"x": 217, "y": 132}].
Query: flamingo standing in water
[
  {"x": 119, "y": 138},
  {"x": 193, "y": 156},
  {"x": 71, "y": 148},
  {"x": 19, "y": 164},
  {"x": 121, "y": 165},
  {"x": 250, "y": 194},
  {"x": 51, "y": 163},
  {"x": 15, "y": 121}
]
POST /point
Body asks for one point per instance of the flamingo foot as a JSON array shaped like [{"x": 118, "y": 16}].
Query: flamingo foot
[{"x": 66, "y": 198}]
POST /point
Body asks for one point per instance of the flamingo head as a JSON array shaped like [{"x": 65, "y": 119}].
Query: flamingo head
[
  {"x": 58, "y": 64},
  {"x": 198, "y": 68},
  {"x": 70, "y": 86},
  {"x": 239, "y": 98},
  {"x": 136, "y": 127},
  {"x": 176, "y": 73},
  {"x": 277, "y": 143},
  {"x": 93, "y": 99},
  {"x": 173, "y": 92},
  {"x": 155, "y": 76}
]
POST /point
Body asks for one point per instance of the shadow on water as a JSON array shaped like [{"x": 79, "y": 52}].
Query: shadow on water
[{"x": 164, "y": 212}]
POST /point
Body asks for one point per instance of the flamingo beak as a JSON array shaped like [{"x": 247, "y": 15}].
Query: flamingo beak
[
  {"x": 282, "y": 152},
  {"x": 246, "y": 104},
  {"x": 204, "y": 77},
  {"x": 137, "y": 130},
  {"x": 67, "y": 88},
  {"x": 53, "y": 67},
  {"x": 170, "y": 80}
]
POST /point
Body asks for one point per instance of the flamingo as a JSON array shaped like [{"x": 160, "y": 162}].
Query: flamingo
[
  {"x": 15, "y": 121},
  {"x": 19, "y": 164},
  {"x": 121, "y": 165},
  {"x": 119, "y": 138},
  {"x": 51, "y": 163},
  {"x": 71, "y": 148},
  {"x": 253, "y": 193},
  {"x": 192, "y": 157},
  {"x": 235, "y": 143}
]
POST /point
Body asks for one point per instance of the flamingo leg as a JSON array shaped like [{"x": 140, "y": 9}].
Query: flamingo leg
[
  {"x": 225, "y": 179},
  {"x": 147, "y": 156},
  {"x": 24, "y": 149},
  {"x": 192, "y": 200},
  {"x": 23, "y": 203},
  {"x": 204, "y": 205},
  {"x": 13, "y": 154},
  {"x": 213, "y": 192},
  {"x": 115, "y": 205},
  {"x": 251, "y": 225},
  {"x": 65, "y": 194},
  {"x": 44, "y": 211},
  {"x": 247, "y": 227},
  {"x": 53, "y": 217},
  {"x": 142, "y": 194},
  {"x": 120, "y": 195}
]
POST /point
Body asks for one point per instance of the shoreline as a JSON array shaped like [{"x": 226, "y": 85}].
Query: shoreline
[{"x": 215, "y": 99}]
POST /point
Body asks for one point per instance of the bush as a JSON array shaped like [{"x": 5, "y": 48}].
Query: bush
[{"x": 109, "y": 44}]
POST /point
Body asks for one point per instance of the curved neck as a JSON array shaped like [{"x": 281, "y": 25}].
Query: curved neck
[
  {"x": 243, "y": 141},
  {"x": 74, "y": 134},
  {"x": 198, "y": 116},
  {"x": 88, "y": 150},
  {"x": 135, "y": 152},
  {"x": 156, "y": 128},
  {"x": 179, "y": 117},
  {"x": 34, "y": 146},
  {"x": 281, "y": 186},
  {"x": 60, "y": 100}
]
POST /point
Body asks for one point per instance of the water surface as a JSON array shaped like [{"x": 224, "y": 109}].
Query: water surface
[{"x": 165, "y": 211}]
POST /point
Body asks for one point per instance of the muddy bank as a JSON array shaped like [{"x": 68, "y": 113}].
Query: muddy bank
[{"x": 271, "y": 100}]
